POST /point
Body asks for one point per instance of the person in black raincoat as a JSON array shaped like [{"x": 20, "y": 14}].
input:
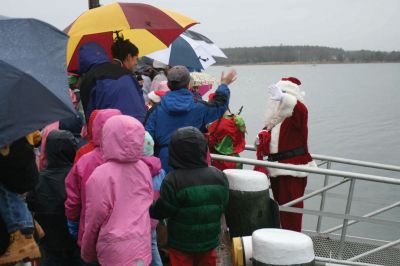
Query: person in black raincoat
[
  {"x": 74, "y": 125},
  {"x": 18, "y": 175},
  {"x": 47, "y": 201}
]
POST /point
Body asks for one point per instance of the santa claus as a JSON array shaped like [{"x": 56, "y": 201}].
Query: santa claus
[{"x": 284, "y": 140}]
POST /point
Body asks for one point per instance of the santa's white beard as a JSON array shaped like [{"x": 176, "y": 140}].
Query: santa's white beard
[{"x": 270, "y": 111}]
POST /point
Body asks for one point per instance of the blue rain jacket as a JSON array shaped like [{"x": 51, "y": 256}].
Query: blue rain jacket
[
  {"x": 106, "y": 85},
  {"x": 178, "y": 109}
]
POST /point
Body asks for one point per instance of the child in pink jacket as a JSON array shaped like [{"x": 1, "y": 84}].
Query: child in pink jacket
[
  {"x": 75, "y": 204},
  {"x": 158, "y": 175},
  {"x": 118, "y": 196}
]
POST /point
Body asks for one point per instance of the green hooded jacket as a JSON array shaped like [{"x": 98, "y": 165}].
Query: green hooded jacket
[{"x": 193, "y": 196}]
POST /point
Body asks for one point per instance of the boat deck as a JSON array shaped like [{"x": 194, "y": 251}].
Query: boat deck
[{"x": 326, "y": 247}]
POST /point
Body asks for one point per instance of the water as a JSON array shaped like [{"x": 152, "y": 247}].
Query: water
[{"x": 354, "y": 113}]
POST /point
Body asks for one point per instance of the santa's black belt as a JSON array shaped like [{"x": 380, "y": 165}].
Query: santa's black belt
[{"x": 273, "y": 157}]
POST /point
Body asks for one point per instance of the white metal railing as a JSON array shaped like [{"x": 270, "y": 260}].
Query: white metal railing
[
  {"x": 375, "y": 178},
  {"x": 346, "y": 161},
  {"x": 347, "y": 218}
]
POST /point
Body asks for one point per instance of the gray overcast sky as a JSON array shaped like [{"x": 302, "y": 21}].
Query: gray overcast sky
[{"x": 348, "y": 24}]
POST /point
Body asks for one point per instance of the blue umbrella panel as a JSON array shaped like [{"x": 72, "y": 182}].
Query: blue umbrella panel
[{"x": 33, "y": 77}]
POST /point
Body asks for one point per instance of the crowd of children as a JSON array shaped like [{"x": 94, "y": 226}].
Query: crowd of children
[{"x": 102, "y": 188}]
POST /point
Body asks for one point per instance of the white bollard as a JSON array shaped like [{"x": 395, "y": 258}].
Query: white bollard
[
  {"x": 249, "y": 206},
  {"x": 282, "y": 247}
]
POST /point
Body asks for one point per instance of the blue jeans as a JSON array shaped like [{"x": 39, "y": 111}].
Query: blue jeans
[
  {"x": 156, "y": 259},
  {"x": 14, "y": 211}
]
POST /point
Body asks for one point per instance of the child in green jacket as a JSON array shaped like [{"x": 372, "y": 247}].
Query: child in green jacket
[{"x": 192, "y": 197}]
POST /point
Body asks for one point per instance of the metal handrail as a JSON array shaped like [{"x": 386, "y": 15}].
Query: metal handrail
[
  {"x": 341, "y": 216},
  {"x": 346, "y": 161},
  {"x": 348, "y": 219},
  {"x": 376, "y": 212},
  {"x": 323, "y": 197},
  {"x": 314, "y": 170},
  {"x": 316, "y": 192}
]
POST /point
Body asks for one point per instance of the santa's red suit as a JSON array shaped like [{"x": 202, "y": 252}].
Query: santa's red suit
[{"x": 284, "y": 140}]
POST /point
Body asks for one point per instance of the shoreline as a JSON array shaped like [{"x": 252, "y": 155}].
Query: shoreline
[{"x": 304, "y": 63}]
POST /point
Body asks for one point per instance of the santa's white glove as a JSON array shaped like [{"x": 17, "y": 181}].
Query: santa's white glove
[
  {"x": 275, "y": 92},
  {"x": 256, "y": 142}
]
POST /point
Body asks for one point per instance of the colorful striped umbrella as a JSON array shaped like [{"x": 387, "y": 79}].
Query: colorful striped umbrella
[{"x": 148, "y": 27}]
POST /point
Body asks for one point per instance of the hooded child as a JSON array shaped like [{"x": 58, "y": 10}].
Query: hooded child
[
  {"x": 158, "y": 175},
  {"x": 47, "y": 201},
  {"x": 75, "y": 203},
  {"x": 117, "y": 226},
  {"x": 193, "y": 197}
]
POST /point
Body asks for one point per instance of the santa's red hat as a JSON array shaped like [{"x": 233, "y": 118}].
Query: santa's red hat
[
  {"x": 293, "y": 79},
  {"x": 291, "y": 86}
]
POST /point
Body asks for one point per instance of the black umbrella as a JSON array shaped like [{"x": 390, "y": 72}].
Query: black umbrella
[{"x": 33, "y": 77}]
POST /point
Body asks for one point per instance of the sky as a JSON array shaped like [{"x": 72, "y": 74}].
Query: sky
[{"x": 347, "y": 24}]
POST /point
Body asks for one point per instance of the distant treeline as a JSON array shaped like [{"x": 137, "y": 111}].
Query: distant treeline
[{"x": 311, "y": 54}]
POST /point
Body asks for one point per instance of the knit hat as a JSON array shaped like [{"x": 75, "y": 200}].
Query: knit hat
[
  {"x": 155, "y": 96},
  {"x": 211, "y": 96},
  {"x": 72, "y": 124},
  {"x": 148, "y": 148},
  {"x": 178, "y": 77}
]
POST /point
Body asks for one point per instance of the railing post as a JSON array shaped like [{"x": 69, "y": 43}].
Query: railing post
[
  {"x": 346, "y": 221},
  {"x": 323, "y": 196}
]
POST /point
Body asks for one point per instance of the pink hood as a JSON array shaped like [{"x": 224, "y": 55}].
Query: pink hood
[
  {"x": 153, "y": 163},
  {"x": 123, "y": 139},
  {"x": 119, "y": 195},
  {"x": 75, "y": 204},
  {"x": 99, "y": 121}
]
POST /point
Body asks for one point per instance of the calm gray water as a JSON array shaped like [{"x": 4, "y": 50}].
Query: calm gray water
[{"x": 354, "y": 113}]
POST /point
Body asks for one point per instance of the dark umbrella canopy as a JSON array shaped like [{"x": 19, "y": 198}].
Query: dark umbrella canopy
[
  {"x": 33, "y": 77},
  {"x": 190, "y": 49}
]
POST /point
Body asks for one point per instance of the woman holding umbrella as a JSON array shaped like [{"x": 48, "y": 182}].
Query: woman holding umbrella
[{"x": 111, "y": 84}]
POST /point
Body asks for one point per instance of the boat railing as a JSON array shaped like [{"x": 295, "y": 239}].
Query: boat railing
[{"x": 347, "y": 218}]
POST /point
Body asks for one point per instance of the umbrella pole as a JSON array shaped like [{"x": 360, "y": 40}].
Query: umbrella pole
[{"x": 93, "y": 4}]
